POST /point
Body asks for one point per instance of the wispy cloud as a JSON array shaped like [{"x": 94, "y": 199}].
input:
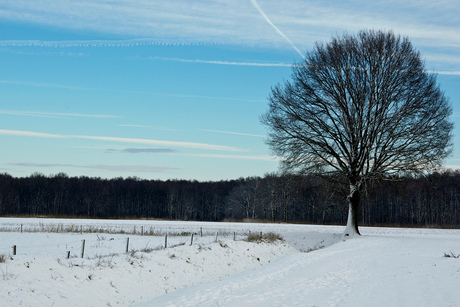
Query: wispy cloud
[
  {"x": 205, "y": 130},
  {"x": 54, "y": 115},
  {"x": 149, "y": 127},
  {"x": 29, "y": 164},
  {"x": 191, "y": 145},
  {"x": 178, "y": 22},
  {"x": 143, "y": 150},
  {"x": 36, "y": 52},
  {"x": 439, "y": 59},
  {"x": 106, "y": 167},
  {"x": 90, "y": 43},
  {"x": 134, "y": 168},
  {"x": 215, "y": 62},
  {"x": 196, "y": 96},
  {"x": 32, "y": 134},
  {"x": 36, "y": 84},
  {"x": 449, "y": 73},
  {"x": 236, "y": 133},
  {"x": 452, "y": 167},
  {"x": 236, "y": 157},
  {"x": 156, "y": 142},
  {"x": 147, "y": 150},
  {"x": 233, "y": 22},
  {"x": 214, "y": 156},
  {"x": 296, "y": 24}
]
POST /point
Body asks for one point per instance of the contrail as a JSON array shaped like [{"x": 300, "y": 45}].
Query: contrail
[
  {"x": 236, "y": 133},
  {"x": 54, "y": 115},
  {"x": 190, "y": 145},
  {"x": 96, "y": 43},
  {"x": 258, "y": 8},
  {"x": 221, "y": 62}
]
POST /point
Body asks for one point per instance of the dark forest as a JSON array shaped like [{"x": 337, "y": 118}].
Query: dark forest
[{"x": 428, "y": 201}]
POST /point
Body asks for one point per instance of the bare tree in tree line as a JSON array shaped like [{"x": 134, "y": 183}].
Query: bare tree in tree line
[{"x": 363, "y": 107}]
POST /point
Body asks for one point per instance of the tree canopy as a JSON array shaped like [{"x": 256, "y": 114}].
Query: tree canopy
[{"x": 362, "y": 107}]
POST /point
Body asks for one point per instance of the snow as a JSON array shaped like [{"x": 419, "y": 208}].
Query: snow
[
  {"x": 315, "y": 266},
  {"x": 367, "y": 271}
]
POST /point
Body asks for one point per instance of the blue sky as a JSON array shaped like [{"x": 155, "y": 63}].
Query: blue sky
[{"x": 175, "y": 89}]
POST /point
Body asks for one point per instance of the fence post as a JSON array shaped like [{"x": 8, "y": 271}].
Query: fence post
[
  {"x": 14, "y": 250},
  {"x": 68, "y": 254},
  {"x": 166, "y": 241},
  {"x": 142, "y": 231},
  {"x": 191, "y": 242},
  {"x": 234, "y": 236},
  {"x": 127, "y": 245},
  {"x": 201, "y": 232},
  {"x": 83, "y": 249},
  {"x": 217, "y": 233},
  {"x": 21, "y": 228}
]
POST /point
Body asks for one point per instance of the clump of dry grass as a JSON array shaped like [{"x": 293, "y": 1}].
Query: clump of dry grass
[
  {"x": 269, "y": 237},
  {"x": 451, "y": 255}
]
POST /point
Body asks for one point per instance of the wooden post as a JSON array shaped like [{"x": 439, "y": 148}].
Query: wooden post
[
  {"x": 217, "y": 233},
  {"x": 201, "y": 231},
  {"x": 166, "y": 241},
  {"x": 234, "y": 236},
  {"x": 81, "y": 230},
  {"x": 21, "y": 228},
  {"x": 127, "y": 245},
  {"x": 14, "y": 250},
  {"x": 142, "y": 231},
  {"x": 68, "y": 254},
  {"x": 191, "y": 242},
  {"x": 83, "y": 249}
]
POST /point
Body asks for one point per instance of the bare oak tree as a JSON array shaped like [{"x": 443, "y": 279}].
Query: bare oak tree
[{"x": 362, "y": 107}]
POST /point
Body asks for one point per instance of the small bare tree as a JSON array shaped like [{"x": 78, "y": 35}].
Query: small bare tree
[
  {"x": 241, "y": 199},
  {"x": 361, "y": 107}
]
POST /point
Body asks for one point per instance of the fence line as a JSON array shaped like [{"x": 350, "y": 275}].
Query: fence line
[
  {"x": 96, "y": 245},
  {"x": 131, "y": 229}
]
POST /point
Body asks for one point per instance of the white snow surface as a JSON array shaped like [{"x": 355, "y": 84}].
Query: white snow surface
[{"x": 315, "y": 266}]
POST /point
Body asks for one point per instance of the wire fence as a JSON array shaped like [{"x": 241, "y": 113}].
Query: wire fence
[
  {"x": 118, "y": 228},
  {"x": 92, "y": 241}
]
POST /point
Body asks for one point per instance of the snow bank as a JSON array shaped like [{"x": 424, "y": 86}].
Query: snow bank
[
  {"x": 384, "y": 267},
  {"x": 373, "y": 270},
  {"x": 41, "y": 275}
]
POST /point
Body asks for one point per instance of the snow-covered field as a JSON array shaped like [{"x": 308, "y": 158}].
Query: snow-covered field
[{"x": 384, "y": 267}]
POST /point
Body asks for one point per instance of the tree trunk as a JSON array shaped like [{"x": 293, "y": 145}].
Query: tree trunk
[{"x": 354, "y": 199}]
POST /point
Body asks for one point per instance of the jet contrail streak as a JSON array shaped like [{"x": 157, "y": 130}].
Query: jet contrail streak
[
  {"x": 95, "y": 43},
  {"x": 259, "y": 9}
]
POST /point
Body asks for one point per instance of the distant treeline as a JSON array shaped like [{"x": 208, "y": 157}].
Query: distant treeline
[{"x": 433, "y": 200}]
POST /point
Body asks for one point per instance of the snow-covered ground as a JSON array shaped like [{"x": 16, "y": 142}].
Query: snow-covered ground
[{"x": 384, "y": 267}]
